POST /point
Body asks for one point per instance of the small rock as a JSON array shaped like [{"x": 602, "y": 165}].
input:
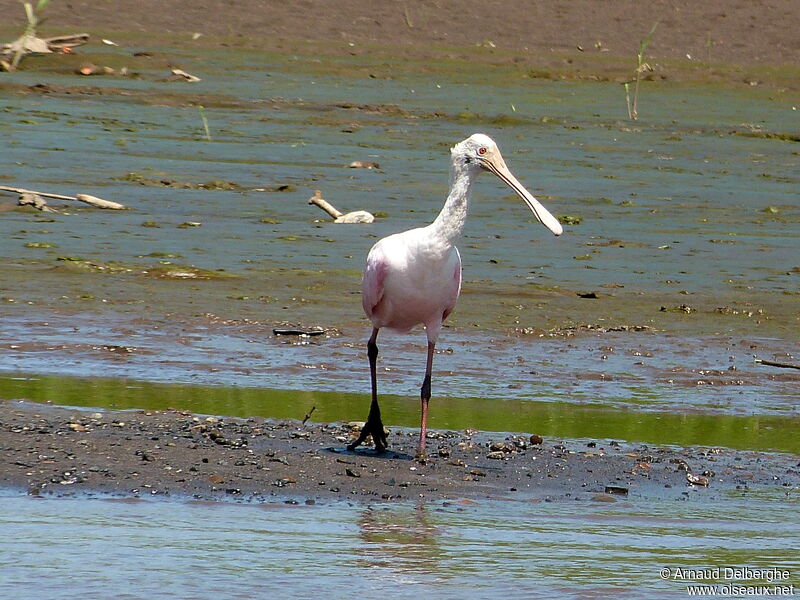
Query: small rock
[
  {"x": 496, "y": 455},
  {"x": 536, "y": 439},
  {"x": 697, "y": 479},
  {"x": 616, "y": 489},
  {"x": 603, "y": 498},
  {"x": 88, "y": 69},
  {"x": 364, "y": 164},
  {"x": 683, "y": 308},
  {"x": 682, "y": 464},
  {"x": 352, "y": 473}
]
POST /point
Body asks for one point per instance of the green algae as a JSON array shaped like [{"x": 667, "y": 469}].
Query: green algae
[
  {"x": 186, "y": 272},
  {"x": 551, "y": 419},
  {"x": 216, "y": 184}
]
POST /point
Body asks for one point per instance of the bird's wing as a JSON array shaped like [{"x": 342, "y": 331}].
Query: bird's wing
[
  {"x": 372, "y": 283},
  {"x": 457, "y": 287}
]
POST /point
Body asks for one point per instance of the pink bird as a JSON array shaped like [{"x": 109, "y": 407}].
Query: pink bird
[{"x": 414, "y": 277}]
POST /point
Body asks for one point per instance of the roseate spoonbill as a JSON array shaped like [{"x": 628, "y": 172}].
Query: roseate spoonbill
[{"x": 414, "y": 277}]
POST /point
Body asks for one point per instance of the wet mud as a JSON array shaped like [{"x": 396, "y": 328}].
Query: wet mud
[
  {"x": 715, "y": 41},
  {"x": 67, "y": 452}
]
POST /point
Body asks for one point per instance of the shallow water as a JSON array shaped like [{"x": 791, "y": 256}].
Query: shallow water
[
  {"x": 677, "y": 209},
  {"x": 688, "y": 238},
  {"x": 556, "y": 419},
  {"x": 444, "y": 550}
]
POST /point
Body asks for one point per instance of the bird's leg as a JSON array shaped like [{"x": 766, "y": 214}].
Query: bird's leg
[
  {"x": 425, "y": 396},
  {"x": 374, "y": 424}
]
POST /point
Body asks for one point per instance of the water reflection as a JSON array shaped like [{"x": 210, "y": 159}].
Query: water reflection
[
  {"x": 550, "y": 417},
  {"x": 403, "y": 540},
  {"x": 406, "y": 550}
]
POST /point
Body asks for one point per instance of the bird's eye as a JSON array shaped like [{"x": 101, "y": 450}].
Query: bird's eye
[{"x": 481, "y": 151}]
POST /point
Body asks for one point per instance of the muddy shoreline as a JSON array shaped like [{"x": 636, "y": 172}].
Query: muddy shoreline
[
  {"x": 715, "y": 41},
  {"x": 68, "y": 452}
]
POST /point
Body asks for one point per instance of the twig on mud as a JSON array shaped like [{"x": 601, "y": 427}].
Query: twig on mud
[
  {"x": 181, "y": 75},
  {"x": 93, "y": 200},
  {"x": 772, "y": 363},
  {"x": 407, "y": 15},
  {"x": 30, "y": 43},
  {"x": 308, "y": 414}
]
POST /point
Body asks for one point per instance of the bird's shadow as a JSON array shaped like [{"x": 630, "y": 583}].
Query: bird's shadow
[{"x": 370, "y": 452}]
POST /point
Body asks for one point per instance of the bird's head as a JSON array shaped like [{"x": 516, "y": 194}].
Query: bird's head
[
  {"x": 479, "y": 151},
  {"x": 476, "y": 150}
]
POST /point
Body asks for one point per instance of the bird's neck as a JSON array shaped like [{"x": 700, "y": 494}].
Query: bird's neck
[{"x": 449, "y": 225}]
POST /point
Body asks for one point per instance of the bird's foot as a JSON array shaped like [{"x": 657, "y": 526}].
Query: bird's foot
[{"x": 374, "y": 428}]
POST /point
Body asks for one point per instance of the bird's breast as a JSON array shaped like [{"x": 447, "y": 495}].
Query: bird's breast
[{"x": 420, "y": 286}]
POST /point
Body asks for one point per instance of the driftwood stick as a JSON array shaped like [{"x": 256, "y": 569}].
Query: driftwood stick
[
  {"x": 782, "y": 365},
  {"x": 60, "y": 42},
  {"x": 358, "y": 216},
  {"x": 93, "y": 200},
  {"x": 36, "y": 201},
  {"x": 99, "y": 202},
  {"x": 6, "y": 188},
  {"x": 318, "y": 200},
  {"x": 30, "y": 44}
]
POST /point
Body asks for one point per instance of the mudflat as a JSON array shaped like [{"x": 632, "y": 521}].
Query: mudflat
[
  {"x": 741, "y": 42},
  {"x": 49, "y": 450}
]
